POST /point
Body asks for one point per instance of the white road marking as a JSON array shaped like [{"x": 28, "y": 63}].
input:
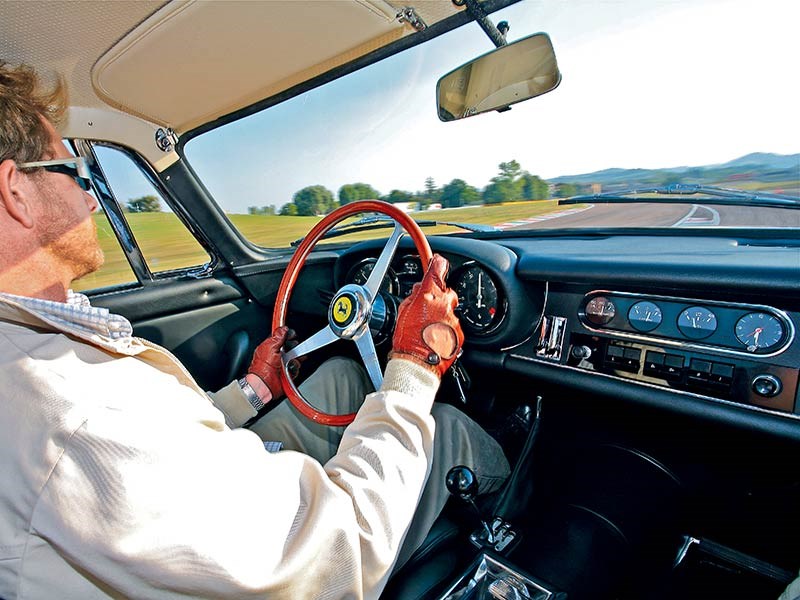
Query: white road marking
[
  {"x": 545, "y": 217},
  {"x": 691, "y": 221}
]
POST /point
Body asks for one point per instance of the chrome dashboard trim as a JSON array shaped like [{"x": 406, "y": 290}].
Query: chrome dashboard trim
[
  {"x": 759, "y": 409},
  {"x": 782, "y": 315}
]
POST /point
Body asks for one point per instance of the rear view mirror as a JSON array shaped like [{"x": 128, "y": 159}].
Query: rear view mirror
[{"x": 507, "y": 75}]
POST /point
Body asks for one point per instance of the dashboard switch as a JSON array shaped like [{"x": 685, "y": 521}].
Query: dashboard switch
[
  {"x": 721, "y": 374},
  {"x": 653, "y": 363},
  {"x": 673, "y": 365},
  {"x": 699, "y": 368},
  {"x": 623, "y": 358}
]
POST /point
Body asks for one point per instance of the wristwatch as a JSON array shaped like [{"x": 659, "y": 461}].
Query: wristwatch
[{"x": 251, "y": 395}]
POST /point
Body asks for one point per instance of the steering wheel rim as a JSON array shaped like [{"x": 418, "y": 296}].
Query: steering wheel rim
[{"x": 358, "y": 329}]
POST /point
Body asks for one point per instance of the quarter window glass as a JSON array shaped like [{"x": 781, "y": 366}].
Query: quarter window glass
[
  {"x": 163, "y": 239},
  {"x": 115, "y": 270}
]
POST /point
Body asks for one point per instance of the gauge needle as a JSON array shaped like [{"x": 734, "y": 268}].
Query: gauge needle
[{"x": 480, "y": 290}]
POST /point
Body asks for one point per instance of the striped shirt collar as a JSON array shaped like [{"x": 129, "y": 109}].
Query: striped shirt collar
[{"x": 77, "y": 313}]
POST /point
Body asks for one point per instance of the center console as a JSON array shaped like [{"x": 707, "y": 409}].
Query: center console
[{"x": 492, "y": 577}]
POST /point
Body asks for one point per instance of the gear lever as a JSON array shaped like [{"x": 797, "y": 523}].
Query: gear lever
[{"x": 462, "y": 482}]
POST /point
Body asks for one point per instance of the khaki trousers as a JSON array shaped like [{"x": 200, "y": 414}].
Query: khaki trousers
[{"x": 339, "y": 386}]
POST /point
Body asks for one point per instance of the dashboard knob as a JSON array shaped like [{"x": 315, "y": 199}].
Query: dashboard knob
[
  {"x": 767, "y": 386},
  {"x": 581, "y": 351}
]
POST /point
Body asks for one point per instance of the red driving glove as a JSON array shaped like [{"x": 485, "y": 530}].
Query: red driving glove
[
  {"x": 266, "y": 364},
  {"x": 428, "y": 331}
]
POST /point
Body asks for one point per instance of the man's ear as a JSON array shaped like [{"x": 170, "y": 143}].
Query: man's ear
[{"x": 15, "y": 194}]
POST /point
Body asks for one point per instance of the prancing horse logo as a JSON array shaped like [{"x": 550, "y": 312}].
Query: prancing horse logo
[{"x": 342, "y": 310}]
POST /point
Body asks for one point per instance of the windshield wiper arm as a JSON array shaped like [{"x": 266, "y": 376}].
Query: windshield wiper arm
[
  {"x": 380, "y": 221},
  {"x": 711, "y": 195}
]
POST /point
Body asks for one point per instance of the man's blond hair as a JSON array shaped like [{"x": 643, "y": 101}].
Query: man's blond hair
[{"x": 23, "y": 103}]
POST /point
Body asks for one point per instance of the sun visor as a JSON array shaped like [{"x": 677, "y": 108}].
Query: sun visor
[{"x": 192, "y": 62}]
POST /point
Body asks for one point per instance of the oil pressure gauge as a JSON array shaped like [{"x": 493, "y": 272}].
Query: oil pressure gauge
[{"x": 759, "y": 331}]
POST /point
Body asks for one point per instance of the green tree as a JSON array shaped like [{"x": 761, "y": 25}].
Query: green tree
[
  {"x": 510, "y": 171},
  {"x": 458, "y": 193},
  {"x": 534, "y": 188},
  {"x": 431, "y": 191},
  {"x": 314, "y": 200},
  {"x": 506, "y": 186},
  {"x": 289, "y": 210},
  {"x": 144, "y": 204},
  {"x": 261, "y": 210},
  {"x": 565, "y": 190},
  {"x": 396, "y": 196},
  {"x": 351, "y": 192}
]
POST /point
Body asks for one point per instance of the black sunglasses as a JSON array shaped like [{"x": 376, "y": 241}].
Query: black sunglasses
[{"x": 75, "y": 167}]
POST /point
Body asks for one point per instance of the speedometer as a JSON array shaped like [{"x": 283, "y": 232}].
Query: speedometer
[{"x": 480, "y": 304}]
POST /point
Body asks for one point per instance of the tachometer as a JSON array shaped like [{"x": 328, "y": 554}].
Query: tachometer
[
  {"x": 480, "y": 304},
  {"x": 362, "y": 270}
]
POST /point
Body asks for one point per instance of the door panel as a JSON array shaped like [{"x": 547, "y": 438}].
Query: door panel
[{"x": 210, "y": 325}]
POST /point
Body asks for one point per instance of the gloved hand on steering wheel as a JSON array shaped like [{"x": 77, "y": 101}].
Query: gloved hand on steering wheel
[
  {"x": 263, "y": 374},
  {"x": 428, "y": 332}
]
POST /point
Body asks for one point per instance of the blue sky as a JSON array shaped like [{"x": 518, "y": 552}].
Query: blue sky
[{"x": 646, "y": 84}]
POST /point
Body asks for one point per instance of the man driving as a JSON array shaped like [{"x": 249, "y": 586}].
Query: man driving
[{"x": 122, "y": 477}]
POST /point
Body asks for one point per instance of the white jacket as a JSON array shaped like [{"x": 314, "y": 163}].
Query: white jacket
[{"x": 119, "y": 477}]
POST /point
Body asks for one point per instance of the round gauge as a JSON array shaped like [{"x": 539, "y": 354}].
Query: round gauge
[
  {"x": 410, "y": 266},
  {"x": 361, "y": 272},
  {"x": 644, "y": 316},
  {"x": 479, "y": 304},
  {"x": 697, "y": 322},
  {"x": 600, "y": 310},
  {"x": 759, "y": 331}
]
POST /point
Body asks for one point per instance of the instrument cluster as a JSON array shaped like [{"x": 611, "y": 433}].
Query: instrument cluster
[
  {"x": 482, "y": 304},
  {"x": 744, "y": 328}
]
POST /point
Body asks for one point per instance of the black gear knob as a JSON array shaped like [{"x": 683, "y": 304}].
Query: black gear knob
[{"x": 462, "y": 482}]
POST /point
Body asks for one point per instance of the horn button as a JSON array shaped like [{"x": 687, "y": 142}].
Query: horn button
[{"x": 349, "y": 310}]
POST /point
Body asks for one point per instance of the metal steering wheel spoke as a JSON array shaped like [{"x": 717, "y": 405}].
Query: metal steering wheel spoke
[
  {"x": 366, "y": 348},
  {"x": 375, "y": 278},
  {"x": 318, "y": 340}
]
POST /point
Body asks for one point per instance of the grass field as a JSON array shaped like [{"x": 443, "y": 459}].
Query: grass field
[{"x": 166, "y": 244}]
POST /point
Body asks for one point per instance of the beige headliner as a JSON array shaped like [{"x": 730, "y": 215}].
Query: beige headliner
[{"x": 132, "y": 66}]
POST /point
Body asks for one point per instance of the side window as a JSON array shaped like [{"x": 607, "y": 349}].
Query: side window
[
  {"x": 116, "y": 269},
  {"x": 164, "y": 241}
]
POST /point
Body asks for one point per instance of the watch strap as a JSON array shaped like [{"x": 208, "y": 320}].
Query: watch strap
[{"x": 251, "y": 395}]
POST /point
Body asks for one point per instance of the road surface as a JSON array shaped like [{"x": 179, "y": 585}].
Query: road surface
[{"x": 661, "y": 215}]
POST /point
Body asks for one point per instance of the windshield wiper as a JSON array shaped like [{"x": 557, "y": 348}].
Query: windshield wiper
[
  {"x": 710, "y": 195},
  {"x": 381, "y": 221}
]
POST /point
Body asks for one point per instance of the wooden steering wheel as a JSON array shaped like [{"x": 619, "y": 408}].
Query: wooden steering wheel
[{"x": 350, "y": 310}]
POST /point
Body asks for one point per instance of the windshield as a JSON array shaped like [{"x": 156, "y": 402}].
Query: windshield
[{"x": 653, "y": 94}]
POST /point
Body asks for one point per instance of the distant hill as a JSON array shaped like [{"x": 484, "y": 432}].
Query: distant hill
[{"x": 767, "y": 170}]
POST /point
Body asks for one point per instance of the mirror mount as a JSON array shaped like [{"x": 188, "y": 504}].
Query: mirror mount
[{"x": 496, "y": 34}]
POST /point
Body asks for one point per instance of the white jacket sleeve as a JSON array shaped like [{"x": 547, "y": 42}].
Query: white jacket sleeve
[{"x": 175, "y": 507}]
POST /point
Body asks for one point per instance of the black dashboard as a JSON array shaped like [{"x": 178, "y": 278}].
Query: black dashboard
[{"x": 696, "y": 323}]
